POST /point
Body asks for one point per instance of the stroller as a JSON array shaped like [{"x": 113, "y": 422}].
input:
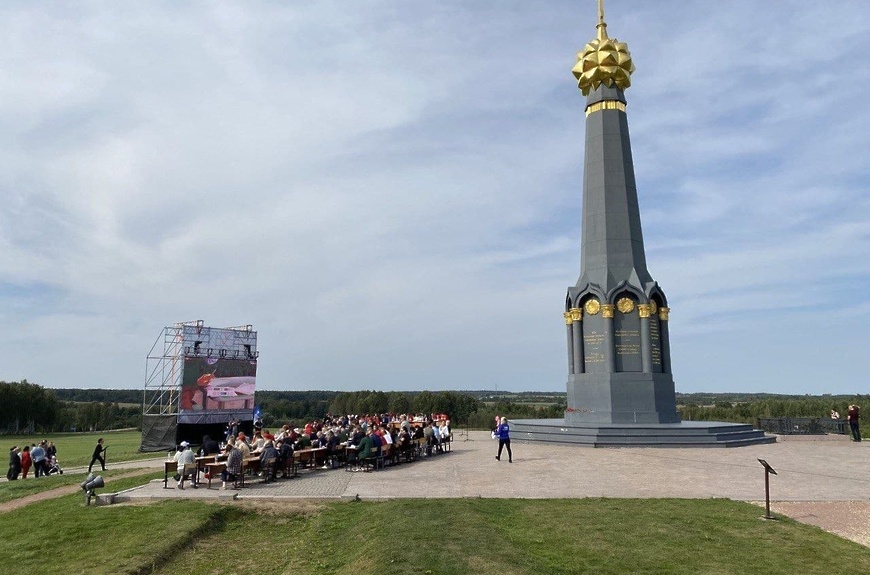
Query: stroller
[{"x": 53, "y": 466}]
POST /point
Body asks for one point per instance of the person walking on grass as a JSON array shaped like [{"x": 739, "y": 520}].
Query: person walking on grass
[
  {"x": 503, "y": 432},
  {"x": 98, "y": 455}
]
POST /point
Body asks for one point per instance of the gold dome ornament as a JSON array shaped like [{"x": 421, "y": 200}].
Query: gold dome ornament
[{"x": 603, "y": 61}]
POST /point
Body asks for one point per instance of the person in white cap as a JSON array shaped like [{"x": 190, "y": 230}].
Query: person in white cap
[{"x": 184, "y": 457}]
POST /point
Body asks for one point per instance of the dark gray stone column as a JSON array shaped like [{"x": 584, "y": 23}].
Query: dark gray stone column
[
  {"x": 577, "y": 319},
  {"x": 666, "y": 345},
  {"x": 569, "y": 328},
  {"x": 609, "y": 352},
  {"x": 645, "y": 344}
]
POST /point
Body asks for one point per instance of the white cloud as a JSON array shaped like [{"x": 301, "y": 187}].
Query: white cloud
[{"x": 391, "y": 193}]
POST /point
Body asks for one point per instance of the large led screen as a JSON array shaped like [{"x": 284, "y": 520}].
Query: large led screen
[{"x": 217, "y": 384}]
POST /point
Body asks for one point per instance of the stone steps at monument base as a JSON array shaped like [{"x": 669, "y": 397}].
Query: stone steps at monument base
[{"x": 687, "y": 434}]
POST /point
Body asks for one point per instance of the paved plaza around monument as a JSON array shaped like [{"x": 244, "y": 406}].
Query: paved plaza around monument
[{"x": 822, "y": 468}]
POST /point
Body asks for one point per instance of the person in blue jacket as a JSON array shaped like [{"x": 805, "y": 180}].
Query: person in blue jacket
[{"x": 503, "y": 432}]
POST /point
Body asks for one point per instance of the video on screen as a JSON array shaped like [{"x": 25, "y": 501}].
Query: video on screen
[{"x": 212, "y": 384}]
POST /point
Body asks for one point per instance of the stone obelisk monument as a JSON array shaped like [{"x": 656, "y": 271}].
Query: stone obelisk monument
[
  {"x": 620, "y": 387},
  {"x": 619, "y": 368}
]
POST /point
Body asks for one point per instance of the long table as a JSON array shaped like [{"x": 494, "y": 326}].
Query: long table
[
  {"x": 215, "y": 468},
  {"x": 201, "y": 464},
  {"x": 306, "y": 457}
]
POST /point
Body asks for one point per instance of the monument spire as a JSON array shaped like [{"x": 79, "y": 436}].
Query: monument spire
[
  {"x": 619, "y": 364},
  {"x": 602, "y": 26},
  {"x": 620, "y": 384}
]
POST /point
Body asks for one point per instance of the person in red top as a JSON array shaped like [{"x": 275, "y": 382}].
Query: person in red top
[{"x": 26, "y": 462}]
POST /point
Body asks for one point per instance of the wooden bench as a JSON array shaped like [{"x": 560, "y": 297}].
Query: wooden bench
[
  {"x": 168, "y": 466},
  {"x": 251, "y": 464},
  {"x": 419, "y": 444},
  {"x": 288, "y": 466},
  {"x": 382, "y": 456},
  {"x": 269, "y": 468},
  {"x": 213, "y": 470}
]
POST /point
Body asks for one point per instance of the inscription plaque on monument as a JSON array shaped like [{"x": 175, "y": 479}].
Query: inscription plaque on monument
[
  {"x": 655, "y": 343},
  {"x": 627, "y": 340},
  {"x": 593, "y": 343}
]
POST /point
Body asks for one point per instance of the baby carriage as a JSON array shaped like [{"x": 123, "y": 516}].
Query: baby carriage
[{"x": 53, "y": 466}]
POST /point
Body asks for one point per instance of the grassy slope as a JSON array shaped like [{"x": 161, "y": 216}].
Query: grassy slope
[
  {"x": 455, "y": 536},
  {"x": 417, "y": 536},
  {"x": 74, "y": 538},
  {"x": 10, "y": 490}
]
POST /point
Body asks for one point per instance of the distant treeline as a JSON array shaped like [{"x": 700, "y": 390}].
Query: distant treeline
[
  {"x": 463, "y": 408},
  {"x": 27, "y": 408},
  {"x": 100, "y": 395},
  {"x": 478, "y": 408},
  {"x": 748, "y": 409}
]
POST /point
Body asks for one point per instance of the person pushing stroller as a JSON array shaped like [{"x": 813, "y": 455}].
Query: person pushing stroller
[{"x": 54, "y": 466}]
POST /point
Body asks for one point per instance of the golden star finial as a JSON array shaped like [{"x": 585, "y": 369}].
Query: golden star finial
[{"x": 603, "y": 61}]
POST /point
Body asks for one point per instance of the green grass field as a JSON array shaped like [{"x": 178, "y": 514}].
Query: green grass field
[
  {"x": 75, "y": 449},
  {"x": 449, "y": 537},
  {"x": 10, "y": 490}
]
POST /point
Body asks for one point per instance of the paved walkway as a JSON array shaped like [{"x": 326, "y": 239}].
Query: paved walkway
[
  {"x": 820, "y": 481},
  {"x": 829, "y": 469}
]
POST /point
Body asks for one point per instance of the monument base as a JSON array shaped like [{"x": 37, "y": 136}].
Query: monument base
[
  {"x": 683, "y": 434},
  {"x": 621, "y": 398}
]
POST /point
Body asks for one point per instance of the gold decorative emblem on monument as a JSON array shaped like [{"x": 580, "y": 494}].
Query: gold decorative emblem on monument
[
  {"x": 607, "y": 310},
  {"x": 663, "y": 313},
  {"x": 625, "y": 305},
  {"x": 576, "y": 313},
  {"x": 603, "y": 61},
  {"x": 567, "y": 316},
  {"x": 592, "y": 307},
  {"x": 643, "y": 310},
  {"x": 653, "y": 308}
]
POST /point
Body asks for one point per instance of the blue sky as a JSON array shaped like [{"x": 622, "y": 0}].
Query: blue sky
[{"x": 390, "y": 192}]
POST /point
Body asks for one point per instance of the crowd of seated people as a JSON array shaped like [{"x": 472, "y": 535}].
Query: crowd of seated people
[{"x": 353, "y": 440}]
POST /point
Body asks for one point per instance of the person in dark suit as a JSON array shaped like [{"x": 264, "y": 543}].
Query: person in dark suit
[
  {"x": 99, "y": 450},
  {"x": 14, "y": 464}
]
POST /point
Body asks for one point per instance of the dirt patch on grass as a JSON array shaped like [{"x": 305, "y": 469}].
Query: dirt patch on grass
[
  {"x": 848, "y": 519},
  {"x": 53, "y": 493},
  {"x": 283, "y": 507}
]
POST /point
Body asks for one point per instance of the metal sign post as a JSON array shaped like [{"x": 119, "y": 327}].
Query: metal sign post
[{"x": 767, "y": 471}]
